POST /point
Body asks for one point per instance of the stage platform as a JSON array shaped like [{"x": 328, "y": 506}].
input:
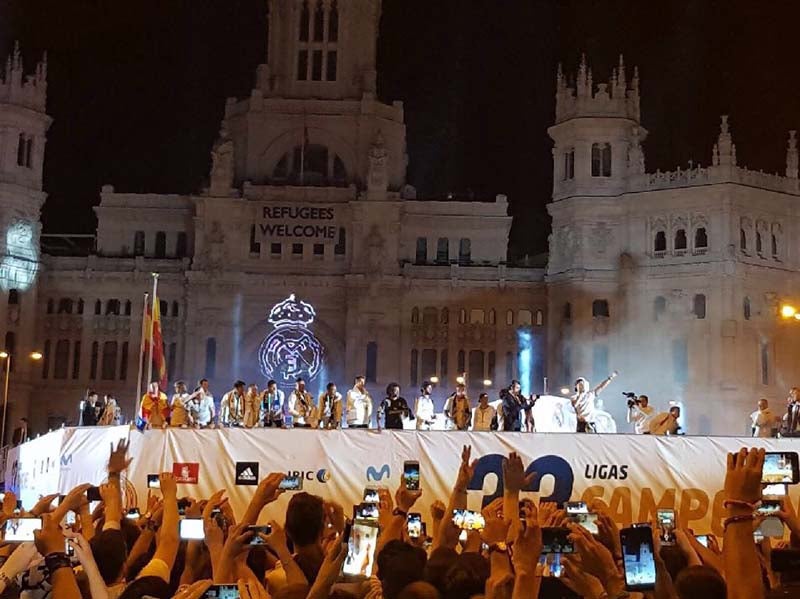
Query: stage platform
[{"x": 631, "y": 473}]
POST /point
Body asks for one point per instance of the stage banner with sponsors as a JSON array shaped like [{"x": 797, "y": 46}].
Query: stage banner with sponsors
[{"x": 634, "y": 475}]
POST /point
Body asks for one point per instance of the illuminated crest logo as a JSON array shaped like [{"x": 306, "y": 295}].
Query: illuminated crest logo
[{"x": 291, "y": 349}]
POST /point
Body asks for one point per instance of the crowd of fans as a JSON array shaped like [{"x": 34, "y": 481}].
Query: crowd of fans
[{"x": 301, "y": 554}]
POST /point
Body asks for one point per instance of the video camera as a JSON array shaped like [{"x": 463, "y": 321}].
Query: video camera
[{"x": 633, "y": 399}]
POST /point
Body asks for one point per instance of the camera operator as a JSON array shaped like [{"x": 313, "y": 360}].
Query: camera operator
[{"x": 639, "y": 412}]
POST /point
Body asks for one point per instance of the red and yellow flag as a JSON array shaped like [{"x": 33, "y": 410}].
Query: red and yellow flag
[{"x": 153, "y": 324}]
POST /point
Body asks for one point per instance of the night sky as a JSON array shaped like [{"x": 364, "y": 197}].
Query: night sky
[{"x": 137, "y": 89}]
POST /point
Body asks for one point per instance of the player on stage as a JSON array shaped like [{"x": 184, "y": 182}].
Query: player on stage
[{"x": 584, "y": 402}]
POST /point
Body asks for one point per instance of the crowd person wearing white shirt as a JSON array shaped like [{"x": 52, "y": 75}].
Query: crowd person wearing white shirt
[
  {"x": 484, "y": 416},
  {"x": 202, "y": 408},
  {"x": 301, "y": 406},
  {"x": 584, "y": 402},
  {"x": 639, "y": 413},
  {"x": 423, "y": 408},
  {"x": 765, "y": 422},
  {"x": 359, "y": 405}
]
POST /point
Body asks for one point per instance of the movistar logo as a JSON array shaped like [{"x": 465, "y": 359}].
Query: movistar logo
[{"x": 377, "y": 475}]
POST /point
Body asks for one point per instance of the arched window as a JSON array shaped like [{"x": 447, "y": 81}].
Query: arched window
[
  {"x": 569, "y": 164},
  {"x": 93, "y": 360},
  {"x": 421, "y": 256},
  {"x": 601, "y": 160},
  {"x": 305, "y": 20},
  {"x": 123, "y": 360},
  {"x": 659, "y": 307},
  {"x": 174, "y": 308},
  {"x": 477, "y": 316},
  {"x": 442, "y": 250},
  {"x": 65, "y": 305},
  {"x": 76, "y": 360},
  {"x": 492, "y": 366},
  {"x": 181, "y": 245},
  {"x": 163, "y": 308},
  {"x": 62, "y": 359},
  {"x": 742, "y": 240},
  {"x": 255, "y": 245},
  {"x": 109, "y": 369},
  {"x": 415, "y": 315},
  {"x": 46, "y": 360},
  {"x": 50, "y": 306},
  {"x": 464, "y": 252},
  {"x": 774, "y": 246},
  {"x": 764, "y": 363},
  {"x": 333, "y": 23},
  {"x": 680, "y": 361},
  {"x": 759, "y": 245},
  {"x": 700, "y": 239},
  {"x": 509, "y": 317},
  {"x": 112, "y": 307},
  {"x": 161, "y": 244},
  {"x": 21, "y": 150},
  {"x": 29, "y": 152},
  {"x": 430, "y": 316},
  {"x": 461, "y": 362},
  {"x": 319, "y": 23},
  {"x": 414, "y": 367},
  {"x": 492, "y": 318},
  {"x": 211, "y": 357},
  {"x": 660, "y": 242},
  {"x": 138, "y": 243},
  {"x": 746, "y": 308},
  {"x": 371, "y": 370},
  {"x": 567, "y": 313},
  {"x": 475, "y": 370},
  {"x": 680, "y": 239},
  {"x": 699, "y": 306},
  {"x": 13, "y": 297},
  {"x": 509, "y": 366},
  {"x": 539, "y": 320},
  {"x": 445, "y": 316},
  {"x": 599, "y": 362},
  {"x": 428, "y": 364},
  {"x": 127, "y": 307},
  {"x": 524, "y": 318},
  {"x": 311, "y": 165},
  {"x": 462, "y": 316},
  {"x": 80, "y": 305},
  {"x": 600, "y": 308}
]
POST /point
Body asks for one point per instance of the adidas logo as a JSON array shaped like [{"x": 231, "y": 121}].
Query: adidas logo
[{"x": 247, "y": 474}]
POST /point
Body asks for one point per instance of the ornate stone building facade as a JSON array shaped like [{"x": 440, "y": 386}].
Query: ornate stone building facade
[{"x": 672, "y": 278}]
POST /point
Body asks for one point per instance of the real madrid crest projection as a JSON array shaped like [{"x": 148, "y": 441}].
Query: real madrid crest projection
[{"x": 291, "y": 350}]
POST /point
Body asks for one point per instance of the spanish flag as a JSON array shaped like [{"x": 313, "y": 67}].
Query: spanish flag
[{"x": 153, "y": 326}]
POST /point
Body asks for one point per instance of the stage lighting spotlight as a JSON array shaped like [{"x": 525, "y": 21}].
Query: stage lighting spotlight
[
  {"x": 788, "y": 311},
  {"x": 460, "y": 380},
  {"x": 564, "y": 390},
  {"x": 434, "y": 379},
  {"x": 487, "y": 382}
]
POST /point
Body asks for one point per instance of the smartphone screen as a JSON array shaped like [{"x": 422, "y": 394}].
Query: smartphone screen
[
  {"x": 133, "y": 513},
  {"x": 222, "y": 591},
  {"x": 637, "y": 558},
  {"x": 468, "y": 520},
  {"x": 576, "y": 507},
  {"x": 551, "y": 565},
  {"x": 291, "y": 483},
  {"x": 768, "y": 507},
  {"x": 556, "y": 540},
  {"x": 771, "y": 527},
  {"x": 588, "y": 521},
  {"x": 366, "y": 511},
  {"x": 191, "y": 529},
  {"x": 93, "y": 494},
  {"x": 776, "y": 490},
  {"x": 371, "y": 496},
  {"x": 666, "y": 525},
  {"x": 21, "y": 529},
  {"x": 153, "y": 481},
  {"x": 70, "y": 519},
  {"x": 414, "y": 525},
  {"x": 411, "y": 475},
  {"x": 780, "y": 467},
  {"x": 360, "y": 560},
  {"x": 264, "y": 530},
  {"x": 702, "y": 539}
]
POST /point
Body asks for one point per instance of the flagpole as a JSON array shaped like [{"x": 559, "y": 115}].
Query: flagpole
[
  {"x": 141, "y": 355},
  {"x": 152, "y": 326}
]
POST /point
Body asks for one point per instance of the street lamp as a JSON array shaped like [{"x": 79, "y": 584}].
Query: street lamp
[{"x": 34, "y": 355}]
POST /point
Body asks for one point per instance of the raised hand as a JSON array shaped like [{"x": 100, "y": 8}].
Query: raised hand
[
  {"x": 528, "y": 544},
  {"x": 743, "y": 478},
  {"x": 49, "y": 539},
  {"x": 44, "y": 505},
  {"x": 194, "y": 591},
  {"x": 117, "y": 461},
  {"x": 514, "y": 479},
  {"x": 496, "y": 529},
  {"x": 169, "y": 488},
  {"x": 267, "y": 490},
  {"x": 466, "y": 470}
]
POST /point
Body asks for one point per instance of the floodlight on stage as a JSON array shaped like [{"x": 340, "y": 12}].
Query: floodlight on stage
[
  {"x": 564, "y": 390},
  {"x": 487, "y": 382},
  {"x": 460, "y": 380},
  {"x": 434, "y": 379},
  {"x": 788, "y": 311}
]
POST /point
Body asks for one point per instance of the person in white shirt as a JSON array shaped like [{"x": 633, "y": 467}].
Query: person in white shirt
[
  {"x": 639, "y": 414},
  {"x": 765, "y": 422},
  {"x": 202, "y": 407},
  {"x": 584, "y": 402},
  {"x": 359, "y": 405},
  {"x": 484, "y": 416},
  {"x": 666, "y": 423},
  {"x": 231, "y": 408},
  {"x": 423, "y": 408},
  {"x": 272, "y": 405},
  {"x": 301, "y": 406}
]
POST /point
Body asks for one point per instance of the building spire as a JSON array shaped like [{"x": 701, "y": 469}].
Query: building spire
[
  {"x": 724, "y": 149},
  {"x": 791, "y": 156}
]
